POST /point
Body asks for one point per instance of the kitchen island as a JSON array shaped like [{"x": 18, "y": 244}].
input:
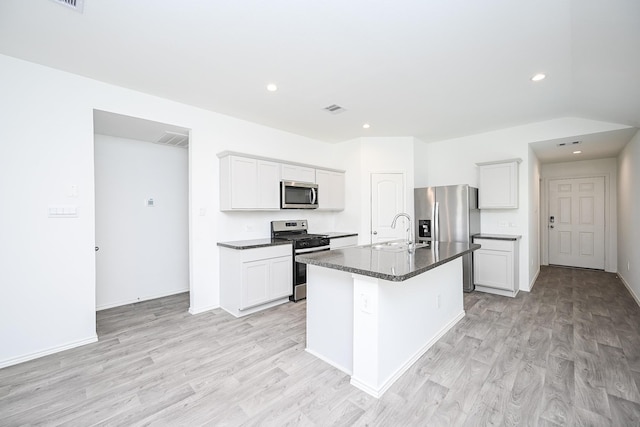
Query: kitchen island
[{"x": 373, "y": 310}]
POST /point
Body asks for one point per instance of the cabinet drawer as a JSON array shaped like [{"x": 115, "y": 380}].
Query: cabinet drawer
[
  {"x": 266, "y": 253},
  {"x": 495, "y": 245}
]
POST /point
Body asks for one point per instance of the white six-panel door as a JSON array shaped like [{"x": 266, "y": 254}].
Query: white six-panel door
[{"x": 576, "y": 222}]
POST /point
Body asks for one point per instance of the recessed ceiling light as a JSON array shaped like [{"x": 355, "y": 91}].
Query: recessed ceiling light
[
  {"x": 272, "y": 88},
  {"x": 538, "y": 77},
  {"x": 577, "y": 152},
  {"x": 366, "y": 125}
]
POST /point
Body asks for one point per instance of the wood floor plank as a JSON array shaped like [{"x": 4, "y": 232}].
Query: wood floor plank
[
  {"x": 590, "y": 393},
  {"x": 559, "y": 391},
  {"x": 624, "y": 412},
  {"x": 618, "y": 380},
  {"x": 522, "y": 408}
]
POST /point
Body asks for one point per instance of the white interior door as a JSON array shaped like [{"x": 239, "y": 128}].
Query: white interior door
[
  {"x": 387, "y": 199},
  {"x": 576, "y": 222}
]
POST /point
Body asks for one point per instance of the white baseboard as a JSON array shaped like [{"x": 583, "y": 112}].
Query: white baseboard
[
  {"x": 330, "y": 362},
  {"x": 51, "y": 350},
  {"x": 496, "y": 291},
  {"x": 145, "y": 298},
  {"x": 198, "y": 310},
  {"x": 533, "y": 281},
  {"x": 633, "y": 294},
  {"x": 377, "y": 393}
]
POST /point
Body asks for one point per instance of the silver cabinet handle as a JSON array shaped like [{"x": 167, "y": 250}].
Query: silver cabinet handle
[
  {"x": 375, "y": 232},
  {"x": 97, "y": 248}
]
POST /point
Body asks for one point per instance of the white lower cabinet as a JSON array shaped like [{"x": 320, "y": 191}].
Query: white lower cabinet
[
  {"x": 495, "y": 266},
  {"x": 254, "y": 279}
]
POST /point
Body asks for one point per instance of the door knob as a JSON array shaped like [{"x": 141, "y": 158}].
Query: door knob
[
  {"x": 375, "y": 232},
  {"x": 97, "y": 248},
  {"x": 551, "y": 226}
]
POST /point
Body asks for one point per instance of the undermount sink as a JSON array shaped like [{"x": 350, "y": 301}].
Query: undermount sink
[{"x": 395, "y": 245}]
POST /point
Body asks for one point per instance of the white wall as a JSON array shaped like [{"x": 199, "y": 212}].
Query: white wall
[
  {"x": 454, "y": 161},
  {"x": 420, "y": 160},
  {"x": 534, "y": 217},
  {"x": 373, "y": 155},
  {"x": 144, "y": 251},
  {"x": 601, "y": 167},
  {"x": 628, "y": 261},
  {"x": 47, "y": 298}
]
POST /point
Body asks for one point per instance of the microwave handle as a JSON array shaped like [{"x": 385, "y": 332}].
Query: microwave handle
[{"x": 314, "y": 196}]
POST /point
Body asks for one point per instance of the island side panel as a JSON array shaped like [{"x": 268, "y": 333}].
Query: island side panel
[
  {"x": 330, "y": 316},
  {"x": 406, "y": 318}
]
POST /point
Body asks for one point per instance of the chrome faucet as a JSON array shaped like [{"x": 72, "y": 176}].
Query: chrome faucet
[{"x": 410, "y": 242}]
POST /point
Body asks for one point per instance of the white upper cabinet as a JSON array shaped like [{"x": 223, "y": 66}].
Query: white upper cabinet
[
  {"x": 330, "y": 190},
  {"x": 298, "y": 173},
  {"x": 250, "y": 184},
  {"x": 253, "y": 183},
  {"x": 498, "y": 184}
]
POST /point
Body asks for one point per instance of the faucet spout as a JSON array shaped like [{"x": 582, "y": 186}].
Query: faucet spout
[{"x": 410, "y": 241}]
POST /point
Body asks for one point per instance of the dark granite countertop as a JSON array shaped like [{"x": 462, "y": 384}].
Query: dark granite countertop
[
  {"x": 253, "y": 244},
  {"x": 497, "y": 236},
  {"x": 260, "y": 243},
  {"x": 394, "y": 266}
]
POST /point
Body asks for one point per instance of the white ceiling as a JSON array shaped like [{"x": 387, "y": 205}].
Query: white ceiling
[{"x": 424, "y": 68}]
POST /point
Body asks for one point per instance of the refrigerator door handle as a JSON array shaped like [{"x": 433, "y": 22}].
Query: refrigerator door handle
[{"x": 436, "y": 222}]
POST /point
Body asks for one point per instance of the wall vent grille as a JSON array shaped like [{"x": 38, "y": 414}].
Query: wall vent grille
[
  {"x": 174, "y": 139},
  {"x": 77, "y": 5},
  {"x": 334, "y": 109}
]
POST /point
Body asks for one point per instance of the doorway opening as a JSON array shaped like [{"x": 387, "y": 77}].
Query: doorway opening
[{"x": 141, "y": 172}]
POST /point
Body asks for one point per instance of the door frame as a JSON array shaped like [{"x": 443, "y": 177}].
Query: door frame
[{"x": 544, "y": 214}]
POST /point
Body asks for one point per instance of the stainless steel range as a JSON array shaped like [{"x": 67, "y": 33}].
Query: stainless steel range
[{"x": 303, "y": 242}]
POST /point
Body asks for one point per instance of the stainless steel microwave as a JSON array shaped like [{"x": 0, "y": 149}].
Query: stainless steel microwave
[{"x": 298, "y": 195}]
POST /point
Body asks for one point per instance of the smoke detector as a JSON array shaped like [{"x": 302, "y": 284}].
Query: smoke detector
[
  {"x": 174, "y": 139},
  {"x": 77, "y": 5},
  {"x": 334, "y": 109}
]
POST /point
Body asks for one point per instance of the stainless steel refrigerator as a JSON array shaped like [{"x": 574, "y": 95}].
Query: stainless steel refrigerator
[{"x": 448, "y": 214}]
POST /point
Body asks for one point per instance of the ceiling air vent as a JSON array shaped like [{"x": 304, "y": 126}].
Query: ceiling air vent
[
  {"x": 334, "y": 109},
  {"x": 564, "y": 144},
  {"x": 174, "y": 139},
  {"x": 76, "y": 5}
]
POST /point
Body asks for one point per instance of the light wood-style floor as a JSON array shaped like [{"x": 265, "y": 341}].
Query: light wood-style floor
[{"x": 568, "y": 353}]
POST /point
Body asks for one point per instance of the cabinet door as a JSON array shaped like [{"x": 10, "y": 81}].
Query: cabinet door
[
  {"x": 281, "y": 280},
  {"x": 255, "y": 283},
  {"x": 268, "y": 185},
  {"x": 493, "y": 268},
  {"x": 298, "y": 173},
  {"x": 498, "y": 186},
  {"x": 243, "y": 183},
  {"x": 330, "y": 189}
]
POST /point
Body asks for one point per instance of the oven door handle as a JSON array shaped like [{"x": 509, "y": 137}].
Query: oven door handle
[{"x": 310, "y": 250}]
